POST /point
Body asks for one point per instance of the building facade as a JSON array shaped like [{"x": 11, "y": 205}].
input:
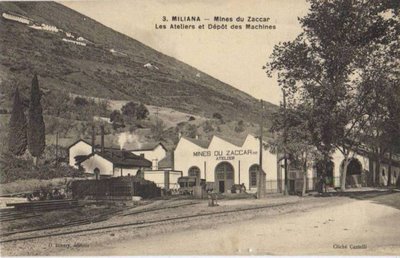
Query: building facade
[
  {"x": 113, "y": 163},
  {"x": 225, "y": 163}
]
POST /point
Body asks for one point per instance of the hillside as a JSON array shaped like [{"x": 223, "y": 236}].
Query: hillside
[{"x": 73, "y": 53}]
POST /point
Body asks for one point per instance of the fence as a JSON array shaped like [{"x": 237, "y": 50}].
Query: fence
[{"x": 163, "y": 179}]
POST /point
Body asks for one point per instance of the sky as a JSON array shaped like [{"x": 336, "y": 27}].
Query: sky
[{"x": 235, "y": 57}]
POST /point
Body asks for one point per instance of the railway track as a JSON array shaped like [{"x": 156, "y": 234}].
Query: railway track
[
  {"x": 12, "y": 214},
  {"x": 160, "y": 208},
  {"x": 141, "y": 224},
  {"x": 102, "y": 217}
]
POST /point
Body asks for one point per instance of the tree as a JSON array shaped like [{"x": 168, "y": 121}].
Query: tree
[
  {"x": 36, "y": 127},
  {"x": 322, "y": 69},
  {"x": 157, "y": 129},
  {"x": 383, "y": 86},
  {"x": 116, "y": 119},
  {"x": 291, "y": 136},
  {"x": 142, "y": 112},
  {"x": 17, "y": 138},
  {"x": 132, "y": 111},
  {"x": 129, "y": 109}
]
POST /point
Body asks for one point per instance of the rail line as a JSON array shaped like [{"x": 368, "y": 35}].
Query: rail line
[
  {"x": 143, "y": 224},
  {"x": 100, "y": 218},
  {"x": 161, "y": 208}
]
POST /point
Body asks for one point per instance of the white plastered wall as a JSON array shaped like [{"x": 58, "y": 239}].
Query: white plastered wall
[
  {"x": 188, "y": 154},
  {"x": 80, "y": 148}
]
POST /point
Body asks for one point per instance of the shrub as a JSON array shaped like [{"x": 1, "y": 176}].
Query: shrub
[
  {"x": 142, "y": 112},
  {"x": 218, "y": 116},
  {"x": 191, "y": 131},
  {"x": 80, "y": 101},
  {"x": 116, "y": 119},
  {"x": 134, "y": 111},
  {"x": 129, "y": 109},
  {"x": 13, "y": 168},
  {"x": 157, "y": 129},
  {"x": 240, "y": 127},
  {"x": 191, "y": 118},
  {"x": 207, "y": 127}
]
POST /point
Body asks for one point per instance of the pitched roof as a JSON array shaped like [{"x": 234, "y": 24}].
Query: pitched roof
[
  {"x": 122, "y": 158},
  {"x": 201, "y": 143},
  {"x": 234, "y": 141},
  {"x": 205, "y": 144},
  {"x": 166, "y": 162},
  {"x": 149, "y": 147},
  {"x": 80, "y": 140}
]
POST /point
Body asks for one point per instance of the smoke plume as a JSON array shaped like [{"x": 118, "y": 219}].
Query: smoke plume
[{"x": 127, "y": 138}]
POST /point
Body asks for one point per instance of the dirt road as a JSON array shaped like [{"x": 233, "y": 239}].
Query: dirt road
[
  {"x": 358, "y": 224},
  {"x": 347, "y": 227}
]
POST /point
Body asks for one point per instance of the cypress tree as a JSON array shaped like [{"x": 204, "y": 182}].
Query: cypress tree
[
  {"x": 36, "y": 128},
  {"x": 17, "y": 139}
]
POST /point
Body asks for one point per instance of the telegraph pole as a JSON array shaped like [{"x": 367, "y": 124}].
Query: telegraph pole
[
  {"x": 284, "y": 143},
  {"x": 259, "y": 183},
  {"x": 57, "y": 148}
]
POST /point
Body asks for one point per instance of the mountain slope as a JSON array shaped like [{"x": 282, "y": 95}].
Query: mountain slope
[{"x": 106, "y": 64}]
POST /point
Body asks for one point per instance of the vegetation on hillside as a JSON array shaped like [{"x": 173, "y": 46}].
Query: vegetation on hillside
[
  {"x": 95, "y": 71},
  {"x": 36, "y": 128},
  {"x": 17, "y": 138}
]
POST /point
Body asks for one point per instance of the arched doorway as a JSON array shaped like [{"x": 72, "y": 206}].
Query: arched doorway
[
  {"x": 97, "y": 173},
  {"x": 354, "y": 167},
  {"x": 224, "y": 177},
  {"x": 194, "y": 171},
  {"x": 254, "y": 171},
  {"x": 353, "y": 175}
]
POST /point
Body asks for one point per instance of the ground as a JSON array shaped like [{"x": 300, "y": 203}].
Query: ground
[{"x": 358, "y": 223}]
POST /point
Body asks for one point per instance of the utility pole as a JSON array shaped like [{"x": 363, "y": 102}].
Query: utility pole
[
  {"x": 260, "y": 170},
  {"x": 58, "y": 115},
  {"x": 284, "y": 143},
  {"x": 57, "y": 148}
]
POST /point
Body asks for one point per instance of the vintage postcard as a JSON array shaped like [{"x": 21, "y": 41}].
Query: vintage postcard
[{"x": 172, "y": 127}]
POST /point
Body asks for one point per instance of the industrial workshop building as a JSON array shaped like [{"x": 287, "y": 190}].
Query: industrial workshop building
[{"x": 224, "y": 162}]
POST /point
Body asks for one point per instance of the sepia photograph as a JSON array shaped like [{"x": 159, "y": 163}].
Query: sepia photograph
[{"x": 200, "y": 128}]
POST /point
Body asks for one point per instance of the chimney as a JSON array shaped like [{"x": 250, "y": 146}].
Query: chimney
[
  {"x": 93, "y": 138},
  {"x": 102, "y": 138}
]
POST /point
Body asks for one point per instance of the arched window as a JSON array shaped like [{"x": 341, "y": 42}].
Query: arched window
[
  {"x": 194, "y": 171},
  {"x": 253, "y": 173},
  {"x": 223, "y": 170}
]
